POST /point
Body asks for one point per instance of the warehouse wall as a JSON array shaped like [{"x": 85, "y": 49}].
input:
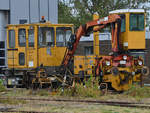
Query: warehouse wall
[
  {"x": 4, "y": 4},
  {"x": 32, "y": 10},
  {"x": 104, "y": 47}
]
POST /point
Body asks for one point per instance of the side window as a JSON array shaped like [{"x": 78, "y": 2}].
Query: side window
[
  {"x": 22, "y": 37},
  {"x": 31, "y": 37},
  {"x": 21, "y": 59},
  {"x": 88, "y": 50},
  {"x": 123, "y": 23},
  {"x": 46, "y": 36},
  {"x": 11, "y": 38},
  {"x": 136, "y": 22},
  {"x": 62, "y": 36}
]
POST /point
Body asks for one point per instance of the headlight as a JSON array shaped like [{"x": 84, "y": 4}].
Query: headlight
[
  {"x": 13, "y": 80},
  {"x": 108, "y": 63},
  {"x": 124, "y": 57},
  {"x": 17, "y": 79},
  {"x": 122, "y": 62},
  {"x": 133, "y": 73},
  {"x": 140, "y": 62}
]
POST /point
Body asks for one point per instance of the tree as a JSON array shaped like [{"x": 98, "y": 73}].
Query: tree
[
  {"x": 64, "y": 12},
  {"x": 81, "y": 11}
]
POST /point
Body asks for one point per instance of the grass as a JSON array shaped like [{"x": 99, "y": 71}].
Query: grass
[
  {"x": 11, "y": 101},
  {"x": 135, "y": 93},
  {"x": 42, "y": 92},
  {"x": 2, "y": 87},
  {"x": 89, "y": 90},
  {"x": 138, "y": 92},
  {"x": 81, "y": 108},
  {"x": 20, "y": 92}
]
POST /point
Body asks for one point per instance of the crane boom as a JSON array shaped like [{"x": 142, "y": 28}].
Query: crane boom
[{"x": 94, "y": 26}]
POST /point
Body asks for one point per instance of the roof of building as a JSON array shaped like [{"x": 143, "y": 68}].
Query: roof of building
[{"x": 102, "y": 36}]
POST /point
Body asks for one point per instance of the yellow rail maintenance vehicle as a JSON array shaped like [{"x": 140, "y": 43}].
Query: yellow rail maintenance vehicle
[
  {"x": 31, "y": 46},
  {"x": 126, "y": 66}
]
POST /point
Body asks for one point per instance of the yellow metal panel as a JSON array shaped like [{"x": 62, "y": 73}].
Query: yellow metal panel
[
  {"x": 54, "y": 58},
  {"x": 78, "y": 60},
  {"x": 136, "y": 40},
  {"x": 12, "y": 58},
  {"x": 96, "y": 37},
  {"x": 86, "y": 61}
]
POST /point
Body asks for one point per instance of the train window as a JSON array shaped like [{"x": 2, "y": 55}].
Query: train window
[
  {"x": 21, "y": 58},
  {"x": 22, "y": 37},
  {"x": 123, "y": 23},
  {"x": 88, "y": 50},
  {"x": 31, "y": 37},
  {"x": 11, "y": 38},
  {"x": 46, "y": 36},
  {"x": 2, "y": 44},
  {"x": 2, "y": 53},
  {"x": 2, "y": 62},
  {"x": 62, "y": 36},
  {"x": 136, "y": 22}
]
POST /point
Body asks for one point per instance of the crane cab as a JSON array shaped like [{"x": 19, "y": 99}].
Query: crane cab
[
  {"x": 32, "y": 45},
  {"x": 132, "y": 35}
]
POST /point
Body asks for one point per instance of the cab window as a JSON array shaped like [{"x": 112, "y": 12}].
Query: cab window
[
  {"x": 31, "y": 37},
  {"x": 22, "y": 37},
  {"x": 88, "y": 50},
  {"x": 11, "y": 34},
  {"x": 123, "y": 23},
  {"x": 62, "y": 36},
  {"x": 46, "y": 36},
  {"x": 136, "y": 22}
]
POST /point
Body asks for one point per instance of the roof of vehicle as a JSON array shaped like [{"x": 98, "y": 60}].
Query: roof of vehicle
[
  {"x": 40, "y": 24},
  {"x": 127, "y": 10}
]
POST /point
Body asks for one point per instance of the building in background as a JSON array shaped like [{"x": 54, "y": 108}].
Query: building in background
[
  {"x": 23, "y": 11},
  {"x": 85, "y": 46}
]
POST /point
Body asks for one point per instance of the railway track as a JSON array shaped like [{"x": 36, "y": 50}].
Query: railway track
[{"x": 110, "y": 103}]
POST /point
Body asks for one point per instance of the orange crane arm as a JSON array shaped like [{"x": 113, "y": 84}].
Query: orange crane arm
[{"x": 85, "y": 29}]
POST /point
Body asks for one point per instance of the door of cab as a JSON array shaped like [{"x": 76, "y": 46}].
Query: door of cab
[
  {"x": 12, "y": 48},
  {"x": 31, "y": 47},
  {"x": 22, "y": 38},
  {"x": 27, "y": 51}
]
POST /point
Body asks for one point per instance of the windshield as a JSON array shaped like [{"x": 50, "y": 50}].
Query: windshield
[
  {"x": 46, "y": 36},
  {"x": 62, "y": 36},
  {"x": 136, "y": 22}
]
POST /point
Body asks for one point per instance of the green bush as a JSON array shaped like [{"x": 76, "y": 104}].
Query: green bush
[
  {"x": 2, "y": 87},
  {"x": 89, "y": 90}
]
